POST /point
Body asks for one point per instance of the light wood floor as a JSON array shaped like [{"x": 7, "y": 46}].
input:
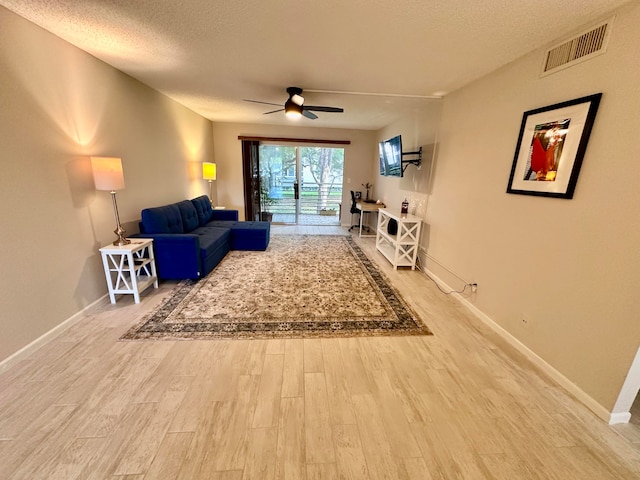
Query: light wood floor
[{"x": 456, "y": 405}]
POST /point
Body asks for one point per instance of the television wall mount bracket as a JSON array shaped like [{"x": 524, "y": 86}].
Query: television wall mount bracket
[{"x": 417, "y": 160}]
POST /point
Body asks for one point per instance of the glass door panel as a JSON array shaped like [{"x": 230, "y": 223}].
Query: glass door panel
[
  {"x": 279, "y": 182},
  {"x": 321, "y": 175}
]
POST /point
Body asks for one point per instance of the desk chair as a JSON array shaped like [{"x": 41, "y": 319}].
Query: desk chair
[{"x": 354, "y": 211}]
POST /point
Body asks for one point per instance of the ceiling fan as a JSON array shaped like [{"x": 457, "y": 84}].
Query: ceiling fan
[{"x": 294, "y": 107}]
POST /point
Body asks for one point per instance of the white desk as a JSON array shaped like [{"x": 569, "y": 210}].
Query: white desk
[{"x": 365, "y": 207}]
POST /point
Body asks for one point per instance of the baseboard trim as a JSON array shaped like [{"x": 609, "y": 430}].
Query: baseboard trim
[
  {"x": 534, "y": 358},
  {"x": 46, "y": 337}
]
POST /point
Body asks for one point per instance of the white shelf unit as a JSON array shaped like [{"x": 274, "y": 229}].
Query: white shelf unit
[
  {"x": 400, "y": 249},
  {"x": 129, "y": 269}
]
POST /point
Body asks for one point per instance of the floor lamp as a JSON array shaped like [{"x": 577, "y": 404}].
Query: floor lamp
[
  {"x": 108, "y": 176},
  {"x": 209, "y": 174}
]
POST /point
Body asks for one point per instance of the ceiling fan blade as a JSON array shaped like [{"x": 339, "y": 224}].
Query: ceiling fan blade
[
  {"x": 323, "y": 109},
  {"x": 309, "y": 115},
  {"x": 264, "y": 103},
  {"x": 274, "y": 111}
]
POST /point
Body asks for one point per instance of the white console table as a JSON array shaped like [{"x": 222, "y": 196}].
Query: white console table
[
  {"x": 400, "y": 249},
  {"x": 129, "y": 268}
]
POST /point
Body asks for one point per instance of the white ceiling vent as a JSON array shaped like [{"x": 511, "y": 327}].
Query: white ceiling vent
[{"x": 582, "y": 47}]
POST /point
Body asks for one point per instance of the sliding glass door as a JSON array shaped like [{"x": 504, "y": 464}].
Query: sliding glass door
[{"x": 300, "y": 184}]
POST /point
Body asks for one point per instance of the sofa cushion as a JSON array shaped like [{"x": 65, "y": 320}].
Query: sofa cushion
[
  {"x": 212, "y": 238},
  {"x": 224, "y": 214},
  {"x": 166, "y": 219},
  {"x": 202, "y": 205},
  {"x": 189, "y": 216},
  {"x": 246, "y": 235}
]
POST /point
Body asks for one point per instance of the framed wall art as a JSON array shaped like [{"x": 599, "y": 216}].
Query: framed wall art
[{"x": 551, "y": 146}]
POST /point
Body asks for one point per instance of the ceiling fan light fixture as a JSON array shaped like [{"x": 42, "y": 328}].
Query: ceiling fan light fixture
[{"x": 292, "y": 110}]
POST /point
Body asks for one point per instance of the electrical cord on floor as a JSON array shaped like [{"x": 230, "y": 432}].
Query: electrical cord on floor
[{"x": 419, "y": 267}]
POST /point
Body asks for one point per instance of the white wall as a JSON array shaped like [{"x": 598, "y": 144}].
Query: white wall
[
  {"x": 59, "y": 105},
  {"x": 358, "y": 158},
  {"x": 569, "y": 266}
]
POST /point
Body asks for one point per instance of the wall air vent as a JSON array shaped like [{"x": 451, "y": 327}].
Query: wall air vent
[{"x": 578, "y": 49}]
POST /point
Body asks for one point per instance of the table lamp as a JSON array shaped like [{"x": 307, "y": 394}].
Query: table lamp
[
  {"x": 108, "y": 176},
  {"x": 209, "y": 174}
]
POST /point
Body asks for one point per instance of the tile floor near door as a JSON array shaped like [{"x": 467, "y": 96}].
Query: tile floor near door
[{"x": 460, "y": 404}]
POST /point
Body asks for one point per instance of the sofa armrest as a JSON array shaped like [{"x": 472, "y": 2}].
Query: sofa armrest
[
  {"x": 224, "y": 214},
  {"x": 177, "y": 254}
]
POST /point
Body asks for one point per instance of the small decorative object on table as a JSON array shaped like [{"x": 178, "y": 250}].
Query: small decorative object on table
[
  {"x": 367, "y": 186},
  {"x": 405, "y": 206}
]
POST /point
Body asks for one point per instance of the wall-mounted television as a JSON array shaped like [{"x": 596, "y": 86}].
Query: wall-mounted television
[{"x": 391, "y": 157}]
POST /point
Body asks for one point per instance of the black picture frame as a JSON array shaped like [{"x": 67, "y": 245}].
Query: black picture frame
[{"x": 551, "y": 146}]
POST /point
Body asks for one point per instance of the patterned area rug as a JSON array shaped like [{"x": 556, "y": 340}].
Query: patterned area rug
[{"x": 302, "y": 286}]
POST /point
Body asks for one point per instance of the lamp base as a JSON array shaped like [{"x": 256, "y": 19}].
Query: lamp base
[
  {"x": 121, "y": 240},
  {"x": 121, "y": 243},
  {"x": 119, "y": 231}
]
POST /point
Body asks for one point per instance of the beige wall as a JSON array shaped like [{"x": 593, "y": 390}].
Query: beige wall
[
  {"x": 570, "y": 266},
  {"x": 59, "y": 105},
  {"x": 358, "y": 158},
  {"x": 418, "y": 130}
]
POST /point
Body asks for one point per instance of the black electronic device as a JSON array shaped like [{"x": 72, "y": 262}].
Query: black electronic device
[
  {"x": 392, "y": 227},
  {"x": 391, "y": 157}
]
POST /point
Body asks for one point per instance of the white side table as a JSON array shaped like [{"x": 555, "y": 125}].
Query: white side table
[{"x": 129, "y": 269}]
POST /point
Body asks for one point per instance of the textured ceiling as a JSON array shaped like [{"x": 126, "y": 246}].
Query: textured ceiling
[{"x": 209, "y": 55}]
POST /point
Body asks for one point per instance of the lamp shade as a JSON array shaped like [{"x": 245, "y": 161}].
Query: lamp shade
[
  {"x": 107, "y": 173},
  {"x": 208, "y": 171}
]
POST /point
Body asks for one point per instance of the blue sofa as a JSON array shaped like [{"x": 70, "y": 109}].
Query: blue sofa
[{"x": 190, "y": 238}]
